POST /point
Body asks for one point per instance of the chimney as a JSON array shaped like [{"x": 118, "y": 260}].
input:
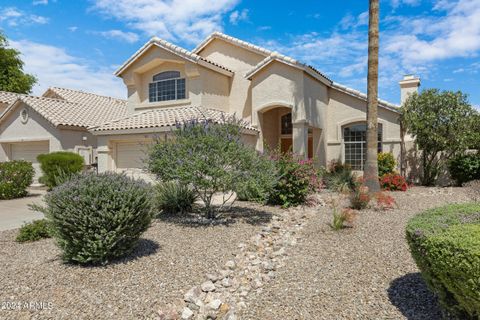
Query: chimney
[{"x": 408, "y": 85}]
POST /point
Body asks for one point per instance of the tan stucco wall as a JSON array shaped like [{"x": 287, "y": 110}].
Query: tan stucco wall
[
  {"x": 240, "y": 61},
  {"x": 344, "y": 109},
  {"x": 204, "y": 87},
  {"x": 277, "y": 85}
]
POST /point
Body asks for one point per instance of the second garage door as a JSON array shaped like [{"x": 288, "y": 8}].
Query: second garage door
[
  {"x": 29, "y": 151},
  {"x": 129, "y": 158}
]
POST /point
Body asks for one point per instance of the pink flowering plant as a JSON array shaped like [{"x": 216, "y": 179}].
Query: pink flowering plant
[{"x": 297, "y": 179}]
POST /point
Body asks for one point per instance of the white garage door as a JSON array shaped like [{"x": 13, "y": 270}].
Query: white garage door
[
  {"x": 130, "y": 158},
  {"x": 29, "y": 151}
]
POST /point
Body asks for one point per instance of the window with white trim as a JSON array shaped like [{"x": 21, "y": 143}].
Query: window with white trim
[
  {"x": 166, "y": 86},
  {"x": 355, "y": 144}
]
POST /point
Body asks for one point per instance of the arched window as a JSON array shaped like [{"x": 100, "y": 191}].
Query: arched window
[
  {"x": 355, "y": 142},
  {"x": 166, "y": 85}
]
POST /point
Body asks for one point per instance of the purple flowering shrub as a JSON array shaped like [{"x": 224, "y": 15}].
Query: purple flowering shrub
[
  {"x": 97, "y": 218},
  {"x": 208, "y": 157}
]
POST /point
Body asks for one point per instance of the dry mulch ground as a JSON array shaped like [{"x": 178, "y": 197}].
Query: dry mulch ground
[
  {"x": 171, "y": 258},
  {"x": 361, "y": 273}
]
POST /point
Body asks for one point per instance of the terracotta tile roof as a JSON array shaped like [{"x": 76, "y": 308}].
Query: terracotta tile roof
[
  {"x": 363, "y": 96},
  {"x": 271, "y": 56},
  {"x": 83, "y": 97},
  {"x": 9, "y": 97},
  {"x": 62, "y": 112},
  {"x": 74, "y": 108},
  {"x": 166, "y": 117},
  {"x": 184, "y": 53},
  {"x": 275, "y": 56}
]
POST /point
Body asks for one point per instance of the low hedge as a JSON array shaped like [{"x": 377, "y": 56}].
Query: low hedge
[
  {"x": 445, "y": 243},
  {"x": 15, "y": 177},
  {"x": 56, "y": 166}
]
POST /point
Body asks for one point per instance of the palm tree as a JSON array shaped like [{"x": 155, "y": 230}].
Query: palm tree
[{"x": 371, "y": 166}]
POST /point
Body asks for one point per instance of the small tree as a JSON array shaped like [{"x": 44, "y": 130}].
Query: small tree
[
  {"x": 12, "y": 76},
  {"x": 209, "y": 157},
  {"x": 442, "y": 124}
]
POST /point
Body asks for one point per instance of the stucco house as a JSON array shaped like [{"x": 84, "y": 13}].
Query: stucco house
[{"x": 283, "y": 102}]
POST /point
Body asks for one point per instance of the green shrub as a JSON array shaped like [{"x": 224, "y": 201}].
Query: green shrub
[
  {"x": 96, "y": 218},
  {"x": 173, "y": 197},
  {"x": 465, "y": 167},
  {"x": 209, "y": 157},
  {"x": 58, "y": 167},
  {"x": 15, "y": 177},
  {"x": 297, "y": 179},
  {"x": 386, "y": 163},
  {"x": 34, "y": 231},
  {"x": 260, "y": 182},
  {"x": 445, "y": 243}
]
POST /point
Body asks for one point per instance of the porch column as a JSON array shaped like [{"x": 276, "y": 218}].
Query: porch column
[{"x": 300, "y": 138}]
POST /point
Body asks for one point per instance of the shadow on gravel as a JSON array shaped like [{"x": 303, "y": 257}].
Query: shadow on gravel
[
  {"x": 412, "y": 297},
  {"x": 236, "y": 214},
  {"x": 145, "y": 247}
]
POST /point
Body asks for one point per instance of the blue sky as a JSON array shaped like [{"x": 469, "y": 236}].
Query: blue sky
[{"x": 78, "y": 44}]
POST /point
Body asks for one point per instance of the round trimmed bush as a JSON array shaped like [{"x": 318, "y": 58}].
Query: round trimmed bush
[
  {"x": 15, "y": 177},
  {"x": 386, "y": 163},
  {"x": 445, "y": 243},
  {"x": 97, "y": 218},
  {"x": 58, "y": 166}
]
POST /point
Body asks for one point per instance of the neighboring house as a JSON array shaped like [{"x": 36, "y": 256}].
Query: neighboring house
[
  {"x": 56, "y": 121},
  {"x": 285, "y": 104}
]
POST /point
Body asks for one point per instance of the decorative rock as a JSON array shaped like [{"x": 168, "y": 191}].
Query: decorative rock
[
  {"x": 230, "y": 264},
  {"x": 187, "y": 314},
  {"x": 193, "y": 295},
  {"x": 227, "y": 282},
  {"x": 267, "y": 265},
  {"x": 208, "y": 286},
  {"x": 256, "y": 283},
  {"x": 279, "y": 252},
  {"x": 224, "y": 273},
  {"x": 212, "y": 277},
  {"x": 214, "y": 304}
]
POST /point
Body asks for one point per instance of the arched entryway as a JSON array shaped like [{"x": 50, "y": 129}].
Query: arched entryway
[{"x": 276, "y": 125}]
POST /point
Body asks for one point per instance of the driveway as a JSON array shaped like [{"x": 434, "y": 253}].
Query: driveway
[{"x": 14, "y": 213}]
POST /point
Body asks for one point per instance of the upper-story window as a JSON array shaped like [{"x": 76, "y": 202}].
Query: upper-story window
[{"x": 166, "y": 86}]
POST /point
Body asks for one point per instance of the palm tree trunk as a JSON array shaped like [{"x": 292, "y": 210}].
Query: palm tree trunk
[{"x": 371, "y": 166}]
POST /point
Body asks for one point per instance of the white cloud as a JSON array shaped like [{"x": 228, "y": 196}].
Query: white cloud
[
  {"x": 72, "y": 28},
  {"x": 14, "y": 17},
  {"x": 412, "y": 44},
  {"x": 174, "y": 20},
  {"x": 129, "y": 37},
  {"x": 398, "y": 3},
  {"x": 237, "y": 16},
  {"x": 457, "y": 34},
  {"x": 53, "y": 66},
  {"x": 38, "y": 2}
]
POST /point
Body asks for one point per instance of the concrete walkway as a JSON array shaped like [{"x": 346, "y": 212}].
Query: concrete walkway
[{"x": 14, "y": 213}]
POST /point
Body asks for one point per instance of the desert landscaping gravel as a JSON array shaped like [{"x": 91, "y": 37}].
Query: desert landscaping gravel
[
  {"x": 361, "y": 273},
  {"x": 170, "y": 259},
  {"x": 365, "y": 272}
]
